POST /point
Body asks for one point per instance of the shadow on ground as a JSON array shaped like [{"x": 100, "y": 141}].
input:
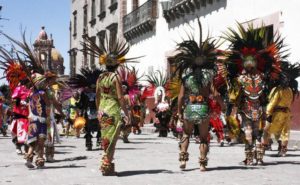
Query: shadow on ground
[
  {"x": 130, "y": 148},
  {"x": 287, "y": 155},
  {"x": 71, "y": 159},
  {"x": 234, "y": 168},
  {"x": 64, "y": 146},
  {"x": 142, "y": 172},
  {"x": 62, "y": 152},
  {"x": 60, "y": 167},
  {"x": 281, "y": 162}
]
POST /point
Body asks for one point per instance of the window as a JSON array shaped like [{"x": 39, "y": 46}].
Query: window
[
  {"x": 85, "y": 16},
  {"x": 93, "y": 13},
  {"x": 72, "y": 53},
  {"x": 102, "y": 6},
  {"x": 101, "y": 36},
  {"x": 113, "y": 5},
  {"x": 92, "y": 57},
  {"x": 75, "y": 23},
  {"x": 93, "y": 10},
  {"x": 85, "y": 58},
  {"x": 102, "y": 10},
  {"x": 135, "y": 4},
  {"x": 113, "y": 31}
]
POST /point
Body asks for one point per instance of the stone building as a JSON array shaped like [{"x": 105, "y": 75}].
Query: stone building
[
  {"x": 51, "y": 57},
  {"x": 152, "y": 27},
  {"x": 94, "y": 18}
]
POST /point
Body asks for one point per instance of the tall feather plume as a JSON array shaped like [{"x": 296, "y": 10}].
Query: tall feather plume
[
  {"x": 190, "y": 52},
  {"x": 86, "y": 79},
  {"x": 251, "y": 41}
]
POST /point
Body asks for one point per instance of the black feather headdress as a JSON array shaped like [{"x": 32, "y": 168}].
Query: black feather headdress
[
  {"x": 251, "y": 42},
  {"x": 86, "y": 79},
  {"x": 193, "y": 55},
  {"x": 111, "y": 52}
]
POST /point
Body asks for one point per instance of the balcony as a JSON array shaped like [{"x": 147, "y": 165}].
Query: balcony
[
  {"x": 141, "y": 20},
  {"x": 175, "y": 9}
]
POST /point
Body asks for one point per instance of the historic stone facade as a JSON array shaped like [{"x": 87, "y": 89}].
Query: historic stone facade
[
  {"x": 51, "y": 57},
  {"x": 94, "y": 18}
]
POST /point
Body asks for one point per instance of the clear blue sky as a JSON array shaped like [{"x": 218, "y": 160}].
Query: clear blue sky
[{"x": 32, "y": 14}]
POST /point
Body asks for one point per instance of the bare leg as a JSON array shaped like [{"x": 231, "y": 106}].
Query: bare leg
[
  {"x": 40, "y": 161},
  {"x": 184, "y": 143},
  {"x": 203, "y": 132},
  {"x": 29, "y": 155},
  {"x": 68, "y": 129},
  {"x": 249, "y": 153}
]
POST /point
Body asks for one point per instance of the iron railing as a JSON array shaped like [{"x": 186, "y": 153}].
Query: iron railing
[{"x": 144, "y": 13}]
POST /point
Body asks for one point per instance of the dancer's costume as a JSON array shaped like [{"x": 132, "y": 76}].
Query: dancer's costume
[
  {"x": 86, "y": 83},
  {"x": 172, "y": 90},
  {"x": 280, "y": 100},
  {"x": 158, "y": 82},
  {"x": 109, "y": 97},
  {"x": 132, "y": 99},
  {"x": 3, "y": 115},
  {"x": 254, "y": 66},
  {"x": 197, "y": 69},
  {"x": 41, "y": 103},
  {"x": 20, "y": 114},
  {"x": 215, "y": 120},
  {"x": 16, "y": 76}
]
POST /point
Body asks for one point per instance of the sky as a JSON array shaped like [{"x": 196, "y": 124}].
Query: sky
[{"x": 31, "y": 15}]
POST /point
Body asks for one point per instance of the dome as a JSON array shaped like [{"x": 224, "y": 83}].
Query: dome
[
  {"x": 42, "y": 35},
  {"x": 56, "y": 57}
]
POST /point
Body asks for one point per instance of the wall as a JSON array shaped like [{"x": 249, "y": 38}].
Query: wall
[
  {"x": 216, "y": 18},
  {"x": 111, "y": 17}
]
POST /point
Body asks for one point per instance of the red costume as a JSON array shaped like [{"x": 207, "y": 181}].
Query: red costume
[
  {"x": 20, "y": 113},
  {"x": 215, "y": 120}
]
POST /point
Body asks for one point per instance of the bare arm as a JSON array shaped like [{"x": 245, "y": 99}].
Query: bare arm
[
  {"x": 180, "y": 101},
  {"x": 58, "y": 106},
  {"x": 97, "y": 94},
  {"x": 120, "y": 95},
  {"x": 217, "y": 96}
]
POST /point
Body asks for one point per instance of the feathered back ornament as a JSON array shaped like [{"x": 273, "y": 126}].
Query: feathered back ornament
[
  {"x": 173, "y": 87},
  {"x": 157, "y": 81},
  {"x": 13, "y": 71},
  {"x": 86, "y": 79},
  {"x": 159, "y": 91},
  {"x": 111, "y": 52},
  {"x": 292, "y": 72},
  {"x": 32, "y": 65},
  {"x": 252, "y": 45},
  {"x": 193, "y": 55},
  {"x": 129, "y": 78}
]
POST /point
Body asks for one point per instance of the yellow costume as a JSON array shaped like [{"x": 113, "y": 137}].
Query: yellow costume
[{"x": 280, "y": 101}]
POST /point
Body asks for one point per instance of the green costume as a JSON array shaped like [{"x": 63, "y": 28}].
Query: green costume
[{"x": 109, "y": 115}]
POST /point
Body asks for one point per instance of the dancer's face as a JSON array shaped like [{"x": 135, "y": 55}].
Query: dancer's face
[{"x": 250, "y": 63}]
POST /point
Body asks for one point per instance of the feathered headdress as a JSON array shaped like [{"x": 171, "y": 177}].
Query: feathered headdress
[
  {"x": 111, "y": 52},
  {"x": 32, "y": 65},
  {"x": 129, "y": 78},
  {"x": 292, "y": 72},
  {"x": 86, "y": 79},
  {"x": 193, "y": 55},
  {"x": 252, "y": 44},
  {"x": 13, "y": 71},
  {"x": 157, "y": 83}
]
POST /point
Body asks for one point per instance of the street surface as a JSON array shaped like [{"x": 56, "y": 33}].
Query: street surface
[{"x": 147, "y": 160}]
